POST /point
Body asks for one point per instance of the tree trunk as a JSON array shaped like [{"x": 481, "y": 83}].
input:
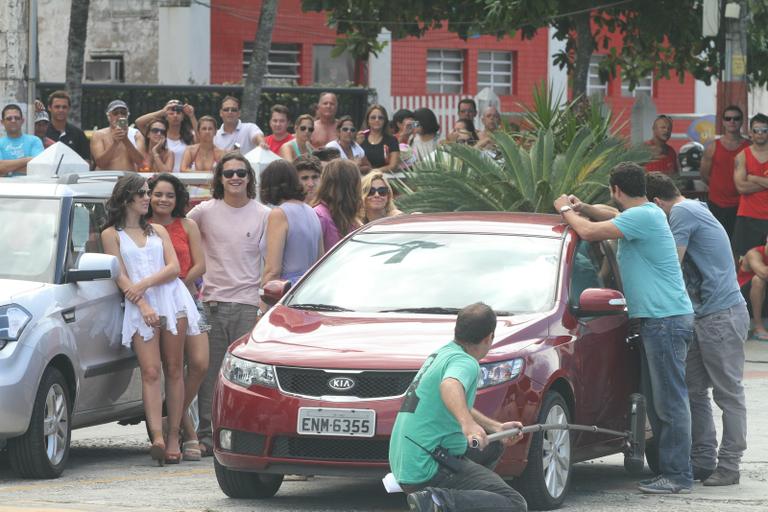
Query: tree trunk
[
  {"x": 78, "y": 33},
  {"x": 257, "y": 68},
  {"x": 585, "y": 46}
]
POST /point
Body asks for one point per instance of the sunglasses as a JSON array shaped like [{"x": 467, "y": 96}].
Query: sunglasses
[
  {"x": 142, "y": 192},
  {"x": 228, "y": 173},
  {"x": 230, "y": 109},
  {"x": 382, "y": 191},
  {"x": 348, "y": 129},
  {"x": 157, "y": 130},
  {"x": 731, "y": 118},
  {"x": 309, "y": 129},
  {"x": 760, "y": 130}
]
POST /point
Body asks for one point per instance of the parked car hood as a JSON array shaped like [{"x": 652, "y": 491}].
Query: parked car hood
[
  {"x": 10, "y": 289},
  {"x": 293, "y": 337}
]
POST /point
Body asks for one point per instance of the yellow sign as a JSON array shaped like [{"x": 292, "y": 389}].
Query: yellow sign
[{"x": 738, "y": 65}]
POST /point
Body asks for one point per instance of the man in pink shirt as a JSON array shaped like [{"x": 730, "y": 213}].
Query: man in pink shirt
[{"x": 231, "y": 225}]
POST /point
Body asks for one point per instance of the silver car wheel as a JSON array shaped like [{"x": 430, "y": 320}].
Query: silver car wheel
[
  {"x": 56, "y": 424},
  {"x": 556, "y": 453}
]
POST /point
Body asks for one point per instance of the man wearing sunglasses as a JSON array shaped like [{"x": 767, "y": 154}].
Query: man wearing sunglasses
[
  {"x": 231, "y": 225},
  {"x": 114, "y": 148},
  {"x": 751, "y": 179},
  {"x": 717, "y": 167},
  {"x": 235, "y": 134},
  {"x": 16, "y": 148}
]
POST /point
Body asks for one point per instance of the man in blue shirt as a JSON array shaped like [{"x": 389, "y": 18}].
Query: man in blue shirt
[
  {"x": 657, "y": 298},
  {"x": 716, "y": 355},
  {"x": 16, "y": 148}
]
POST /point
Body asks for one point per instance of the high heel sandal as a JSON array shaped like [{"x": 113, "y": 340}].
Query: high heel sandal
[
  {"x": 172, "y": 457},
  {"x": 157, "y": 450}
]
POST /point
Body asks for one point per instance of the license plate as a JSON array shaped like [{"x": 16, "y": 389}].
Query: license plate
[{"x": 324, "y": 421}]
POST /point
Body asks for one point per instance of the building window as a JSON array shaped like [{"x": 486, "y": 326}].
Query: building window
[
  {"x": 595, "y": 86},
  {"x": 644, "y": 86},
  {"x": 494, "y": 70},
  {"x": 105, "y": 68},
  {"x": 445, "y": 71},
  {"x": 330, "y": 70},
  {"x": 282, "y": 63}
]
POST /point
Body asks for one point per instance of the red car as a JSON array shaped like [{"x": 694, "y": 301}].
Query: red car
[{"x": 315, "y": 388}]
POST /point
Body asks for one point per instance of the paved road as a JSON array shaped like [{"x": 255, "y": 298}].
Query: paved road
[{"x": 109, "y": 470}]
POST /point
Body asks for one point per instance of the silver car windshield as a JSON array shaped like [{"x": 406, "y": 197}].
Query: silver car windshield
[
  {"x": 28, "y": 230},
  {"x": 434, "y": 273}
]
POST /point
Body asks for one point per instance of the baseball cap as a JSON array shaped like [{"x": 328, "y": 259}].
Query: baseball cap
[
  {"x": 42, "y": 116},
  {"x": 116, "y": 104}
]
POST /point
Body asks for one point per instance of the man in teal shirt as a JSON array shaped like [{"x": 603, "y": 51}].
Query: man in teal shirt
[
  {"x": 437, "y": 413},
  {"x": 16, "y": 148},
  {"x": 657, "y": 298}
]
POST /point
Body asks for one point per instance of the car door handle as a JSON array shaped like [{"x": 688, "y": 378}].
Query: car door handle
[{"x": 68, "y": 315}]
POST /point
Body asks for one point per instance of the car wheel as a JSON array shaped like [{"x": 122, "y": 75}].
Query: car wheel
[
  {"x": 546, "y": 478},
  {"x": 242, "y": 484},
  {"x": 652, "y": 454},
  {"x": 43, "y": 450}
]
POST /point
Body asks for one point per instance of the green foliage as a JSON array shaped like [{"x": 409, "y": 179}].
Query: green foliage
[{"x": 526, "y": 179}]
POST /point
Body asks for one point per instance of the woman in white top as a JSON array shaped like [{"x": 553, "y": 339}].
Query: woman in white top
[
  {"x": 345, "y": 143},
  {"x": 426, "y": 130},
  {"x": 159, "y": 311},
  {"x": 182, "y": 126}
]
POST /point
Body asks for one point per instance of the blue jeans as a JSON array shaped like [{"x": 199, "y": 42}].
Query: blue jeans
[{"x": 665, "y": 347}]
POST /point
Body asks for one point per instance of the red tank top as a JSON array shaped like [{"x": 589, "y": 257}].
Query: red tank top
[
  {"x": 744, "y": 277},
  {"x": 180, "y": 242},
  {"x": 722, "y": 190},
  {"x": 754, "y": 205},
  {"x": 665, "y": 163}
]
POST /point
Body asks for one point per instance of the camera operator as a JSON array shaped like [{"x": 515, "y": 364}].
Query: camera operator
[
  {"x": 429, "y": 452},
  {"x": 182, "y": 128}
]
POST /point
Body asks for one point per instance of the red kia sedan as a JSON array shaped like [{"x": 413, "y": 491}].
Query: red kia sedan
[{"x": 315, "y": 387}]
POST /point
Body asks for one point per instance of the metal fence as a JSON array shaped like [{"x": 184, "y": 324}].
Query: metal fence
[{"x": 206, "y": 99}]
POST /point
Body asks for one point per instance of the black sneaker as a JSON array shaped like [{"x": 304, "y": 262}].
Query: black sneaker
[
  {"x": 423, "y": 501},
  {"x": 722, "y": 476},
  {"x": 664, "y": 485},
  {"x": 701, "y": 474}
]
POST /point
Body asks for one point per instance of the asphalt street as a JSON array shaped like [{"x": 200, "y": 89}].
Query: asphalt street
[{"x": 110, "y": 470}]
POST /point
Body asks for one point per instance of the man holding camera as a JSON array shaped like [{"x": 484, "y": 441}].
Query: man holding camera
[
  {"x": 429, "y": 450},
  {"x": 114, "y": 147}
]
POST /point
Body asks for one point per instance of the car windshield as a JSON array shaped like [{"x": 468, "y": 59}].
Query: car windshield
[
  {"x": 28, "y": 230},
  {"x": 434, "y": 273}
]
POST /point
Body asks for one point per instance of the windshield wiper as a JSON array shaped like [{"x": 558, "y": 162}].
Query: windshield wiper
[
  {"x": 434, "y": 310},
  {"x": 318, "y": 307}
]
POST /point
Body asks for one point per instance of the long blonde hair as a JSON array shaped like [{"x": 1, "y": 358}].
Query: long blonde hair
[{"x": 367, "y": 183}]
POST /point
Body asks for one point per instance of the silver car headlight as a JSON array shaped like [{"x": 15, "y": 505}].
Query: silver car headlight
[
  {"x": 247, "y": 373},
  {"x": 492, "y": 374},
  {"x": 13, "y": 320}
]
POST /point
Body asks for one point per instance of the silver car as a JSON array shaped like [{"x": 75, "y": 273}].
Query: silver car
[{"x": 61, "y": 362}]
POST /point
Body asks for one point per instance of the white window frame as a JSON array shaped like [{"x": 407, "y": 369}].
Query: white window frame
[
  {"x": 276, "y": 51},
  {"x": 115, "y": 62},
  {"x": 445, "y": 84},
  {"x": 594, "y": 85},
  {"x": 500, "y": 81},
  {"x": 645, "y": 86}
]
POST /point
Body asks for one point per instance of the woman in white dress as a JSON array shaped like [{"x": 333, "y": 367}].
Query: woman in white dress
[{"x": 159, "y": 311}]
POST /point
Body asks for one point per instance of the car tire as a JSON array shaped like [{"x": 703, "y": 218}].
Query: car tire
[
  {"x": 42, "y": 451},
  {"x": 545, "y": 480},
  {"x": 652, "y": 455},
  {"x": 247, "y": 485}
]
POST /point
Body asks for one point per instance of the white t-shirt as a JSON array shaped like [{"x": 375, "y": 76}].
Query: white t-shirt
[
  {"x": 242, "y": 135},
  {"x": 177, "y": 147},
  {"x": 357, "y": 150},
  {"x": 232, "y": 255}
]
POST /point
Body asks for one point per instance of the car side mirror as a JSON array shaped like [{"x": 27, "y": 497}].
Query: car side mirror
[
  {"x": 600, "y": 302},
  {"x": 92, "y": 266},
  {"x": 274, "y": 290}
]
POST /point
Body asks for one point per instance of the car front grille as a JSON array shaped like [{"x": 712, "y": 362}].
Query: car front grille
[
  {"x": 248, "y": 443},
  {"x": 312, "y": 382},
  {"x": 356, "y": 450}
]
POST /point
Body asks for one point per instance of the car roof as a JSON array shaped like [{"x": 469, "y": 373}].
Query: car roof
[
  {"x": 504, "y": 223},
  {"x": 22, "y": 186}
]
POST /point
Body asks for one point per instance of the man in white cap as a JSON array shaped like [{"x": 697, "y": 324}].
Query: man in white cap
[
  {"x": 114, "y": 147},
  {"x": 42, "y": 122}
]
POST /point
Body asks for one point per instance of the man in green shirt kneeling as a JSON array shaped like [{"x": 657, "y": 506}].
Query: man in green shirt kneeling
[{"x": 437, "y": 421}]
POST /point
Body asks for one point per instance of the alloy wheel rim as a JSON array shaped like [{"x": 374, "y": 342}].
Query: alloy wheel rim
[
  {"x": 556, "y": 453},
  {"x": 55, "y": 424}
]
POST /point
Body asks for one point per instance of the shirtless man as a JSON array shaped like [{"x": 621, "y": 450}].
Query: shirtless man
[
  {"x": 111, "y": 147},
  {"x": 491, "y": 123},
  {"x": 325, "y": 124}
]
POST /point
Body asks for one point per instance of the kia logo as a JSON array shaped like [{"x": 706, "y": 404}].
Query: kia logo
[{"x": 341, "y": 383}]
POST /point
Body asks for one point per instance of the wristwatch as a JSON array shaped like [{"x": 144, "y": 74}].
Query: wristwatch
[{"x": 565, "y": 208}]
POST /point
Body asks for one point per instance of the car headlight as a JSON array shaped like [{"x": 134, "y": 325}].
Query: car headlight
[
  {"x": 247, "y": 373},
  {"x": 13, "y": 320},
  {"x": 492, "y": 374}
]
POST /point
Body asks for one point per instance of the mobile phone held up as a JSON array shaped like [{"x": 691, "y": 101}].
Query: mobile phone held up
[
  {"x": 178, "y": 108},
  {"x": 122, "y": 123}
]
